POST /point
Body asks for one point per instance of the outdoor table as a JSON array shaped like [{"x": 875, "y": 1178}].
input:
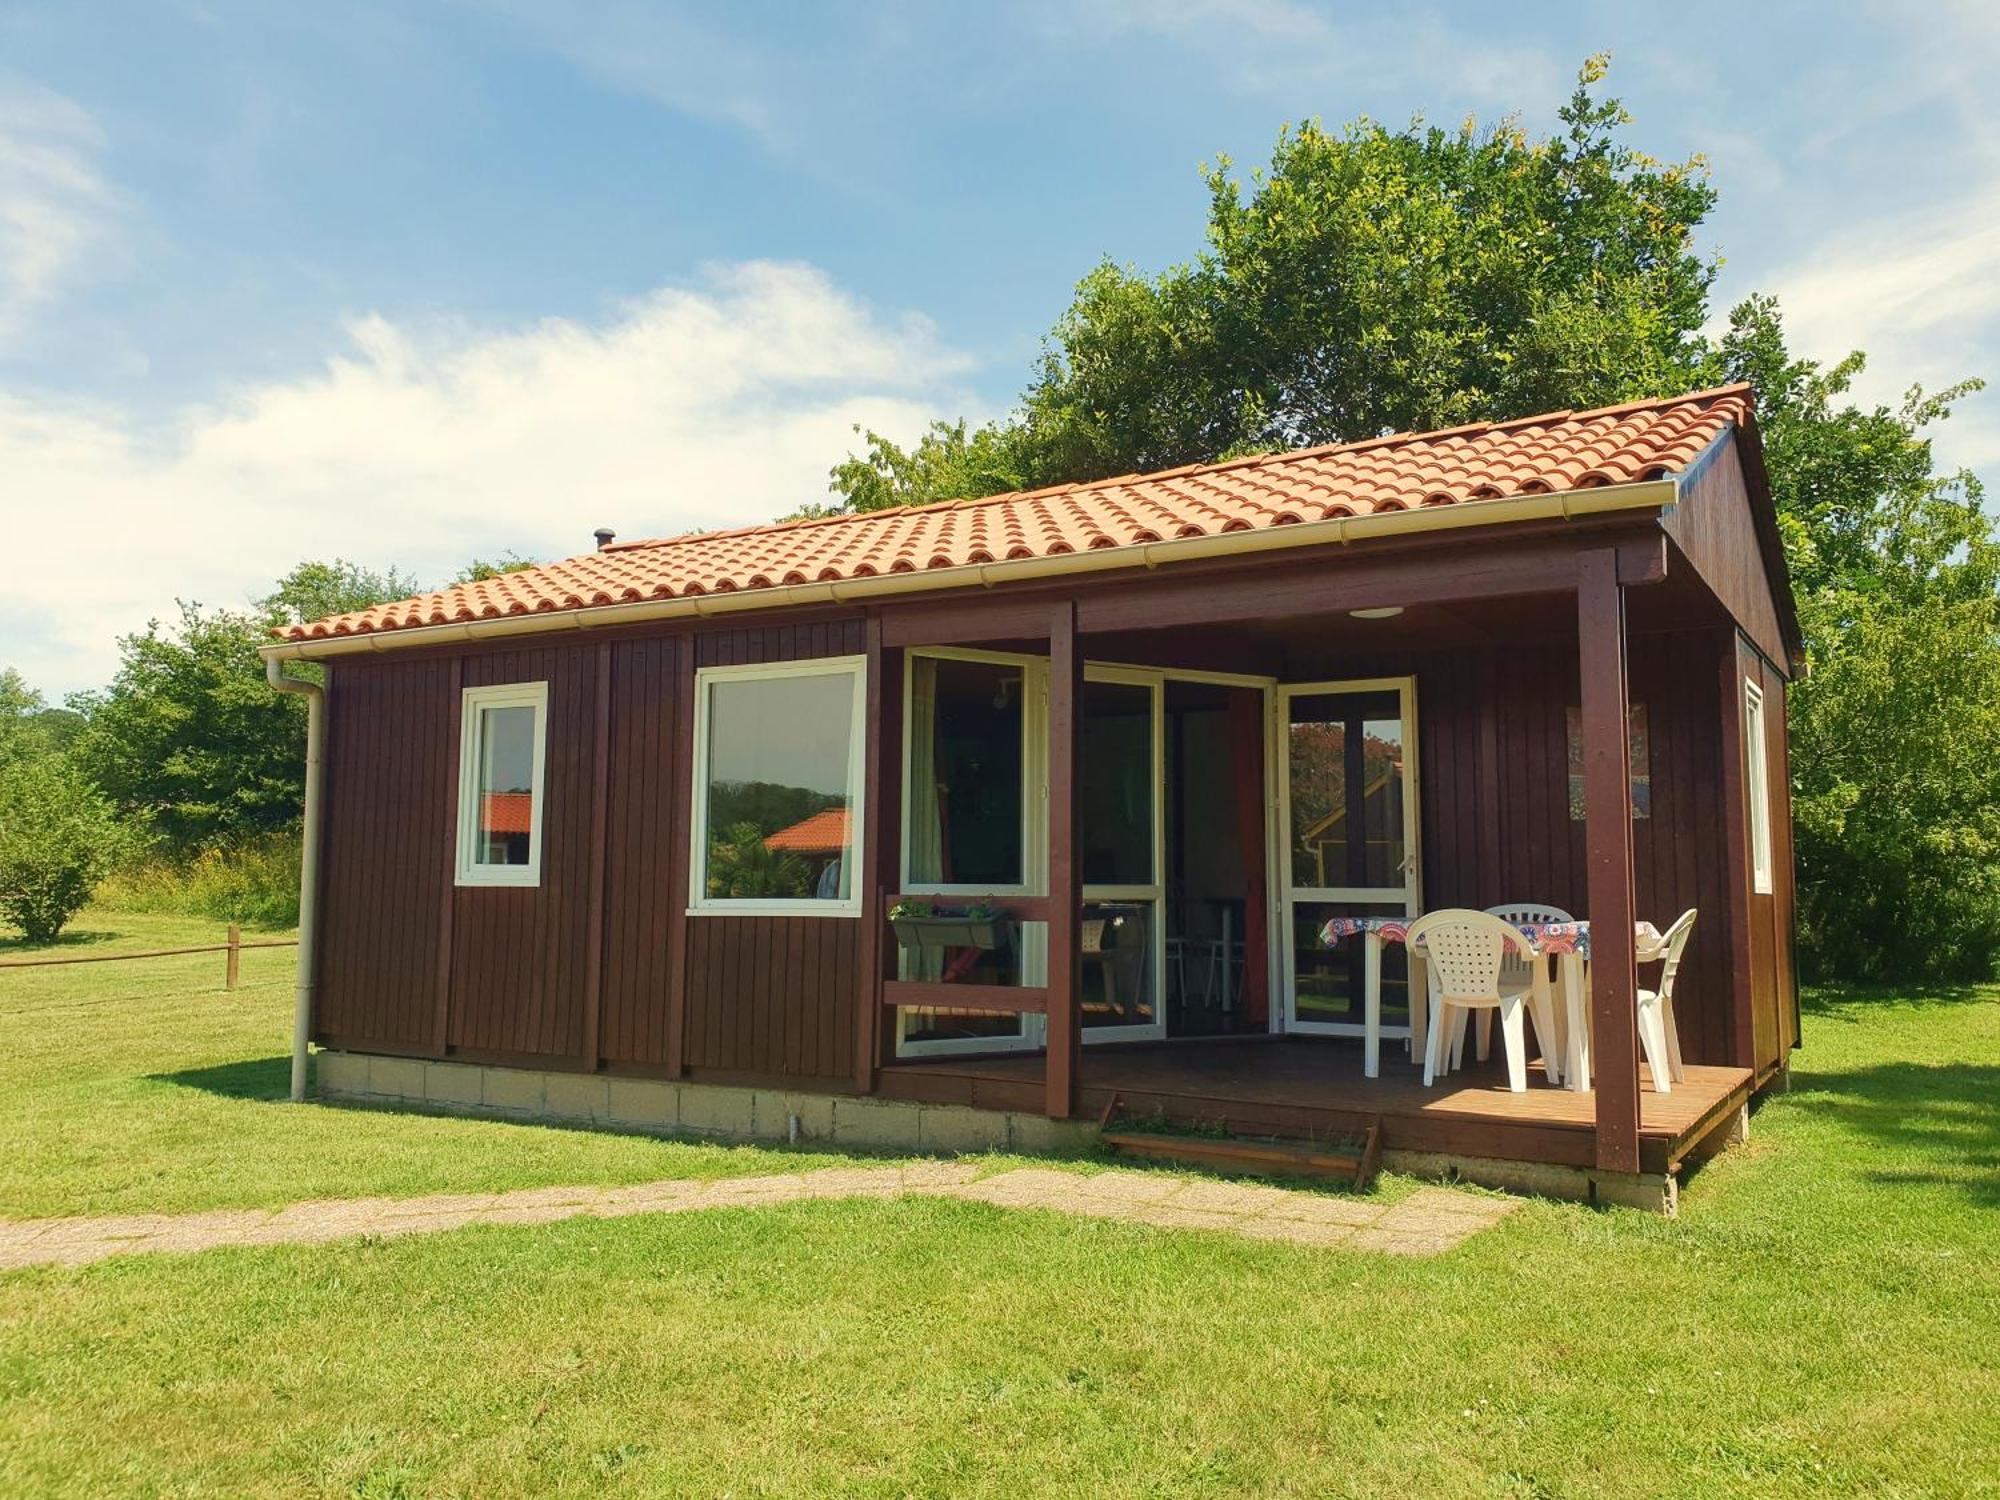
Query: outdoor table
[{"x": 1569, "y": 942}]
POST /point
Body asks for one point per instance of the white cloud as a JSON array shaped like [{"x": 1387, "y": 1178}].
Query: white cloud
[
  {"x": 54, "y": 206},
  {"x": 1920, "y": 296},
  {"x": 701, "y": 406}
]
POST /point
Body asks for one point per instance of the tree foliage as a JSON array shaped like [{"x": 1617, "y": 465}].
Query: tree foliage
[
  {"x": 483, "y": 570},
  {"x": 315, "y": 590},
  {"x": 58, "y": 839},
  {"x": 740, "y": 864},
  {"x": 1373, "y": 280},
  {"x": 188, "y": 740},
  {"x": 1896, "y": 726},
  {"x": 1369, "y": 280},
  {"x": 29, "y": 728}
]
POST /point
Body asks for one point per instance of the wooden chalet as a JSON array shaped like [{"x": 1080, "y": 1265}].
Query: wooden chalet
[{"x": 1109, "y": 754}]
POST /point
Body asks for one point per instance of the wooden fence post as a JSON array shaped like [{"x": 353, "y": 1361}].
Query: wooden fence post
[{"x": 235, "y": 957}]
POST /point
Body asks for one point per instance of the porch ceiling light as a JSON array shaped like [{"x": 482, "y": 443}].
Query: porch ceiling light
[{"x": 1385, "y": 612}]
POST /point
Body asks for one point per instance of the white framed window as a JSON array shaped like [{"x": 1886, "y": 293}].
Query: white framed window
[
  {"x": 502, "y": 737},
  {"x": 1757, "y": 769},
  {"x": 778, "y": 806}
]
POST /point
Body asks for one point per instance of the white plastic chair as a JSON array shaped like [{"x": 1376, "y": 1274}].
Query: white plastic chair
[
  {"x": 1464, "y": 951},
  {"x": 1519, "y": 976},
  {"x": 1658, "y": 1035}
]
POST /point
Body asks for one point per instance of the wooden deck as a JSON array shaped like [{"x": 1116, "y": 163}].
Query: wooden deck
[{"x": 1313, "y": 1088}]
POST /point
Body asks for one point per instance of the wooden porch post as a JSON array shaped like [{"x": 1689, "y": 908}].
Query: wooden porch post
[
  {"x": 875, "y": 859},
  {"x": 1614, "y": 970},
  {"x": 1065, "y": 1032}
]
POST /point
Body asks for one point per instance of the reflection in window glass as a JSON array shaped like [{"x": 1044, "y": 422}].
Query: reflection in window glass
[
  {"x": 780, "y": 790},
  {"x": 1330, "y": 980},
  {"x": 1010, "y": 954},
  {"x": 1347, "y": 780},
  {"x": 965, "y": 788},
  {"x": 1759, "y": 777},
  {"x": 506, "y": 825},
  {"x": 1120, "y": 987},
  {"x": 1117, "y": 770}
]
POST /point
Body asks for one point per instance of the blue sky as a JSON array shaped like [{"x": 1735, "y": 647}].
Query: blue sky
[{"x": 411, "y": 283}]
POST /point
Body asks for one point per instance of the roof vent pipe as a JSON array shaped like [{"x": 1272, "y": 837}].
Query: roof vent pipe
[{"x": 605, "y": 537}]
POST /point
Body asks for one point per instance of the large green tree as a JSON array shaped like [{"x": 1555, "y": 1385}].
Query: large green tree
[
  {"x": 29, "y": 728},
  {"x": 1370, "y": 280},
  {"x": 1896, "y": 725},
  {"x": 187, "y": 739},
  {"x": 1375, "y": 280}
]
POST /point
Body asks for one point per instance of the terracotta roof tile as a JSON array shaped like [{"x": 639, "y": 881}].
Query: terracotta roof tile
[
  {"x": 1459, "y": 466},
  {"x": 823, "y": 832}
]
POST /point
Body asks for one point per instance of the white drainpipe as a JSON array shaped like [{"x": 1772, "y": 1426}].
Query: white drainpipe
[{"x": 315, "y": 697}]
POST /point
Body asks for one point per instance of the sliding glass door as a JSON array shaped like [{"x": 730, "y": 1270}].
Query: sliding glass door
[
  {"x": 1120, "y": 817},
  {"x": 1348, "y": 784}
]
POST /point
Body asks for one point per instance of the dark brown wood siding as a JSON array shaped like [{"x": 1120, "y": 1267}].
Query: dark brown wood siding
[
  {"x": 387, "y": 860},
  {"x": 1714, "y": 527},
  {"x": 414, "y": 963},
  {"x": 774, "y": 995},
  {"x": 1493, "y": 742},
  {"x": 1773, "y": 1015},
  {"x": 642, "y": 832},
  {"x": 518, "y": 954}
]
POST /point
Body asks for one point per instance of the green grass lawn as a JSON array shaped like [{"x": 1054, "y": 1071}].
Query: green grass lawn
[
  {"x": 146, "y": 1087},
  {"x": 1823, "y": 1319}
]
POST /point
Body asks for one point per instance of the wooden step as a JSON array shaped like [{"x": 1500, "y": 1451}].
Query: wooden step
[{"x": 1235, "y": 1154}]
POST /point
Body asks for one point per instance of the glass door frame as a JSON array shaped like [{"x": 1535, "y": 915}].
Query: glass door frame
[
  {"x": 1034, "y": 838},
  {"x": 1153, "y": 893},
  {"x": 1290, "y": 896},
  {"x": 1273, "y": 934}
]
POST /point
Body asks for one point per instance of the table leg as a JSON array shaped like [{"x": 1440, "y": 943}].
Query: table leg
[
  {"x": 1545, "y": 1007},
  {"x": 1228, "y": 994},
  {"x": 1576, "y": 1012},
  {"x": 1420, "y": 1006},
  {"x": 1371, "y": 990}
]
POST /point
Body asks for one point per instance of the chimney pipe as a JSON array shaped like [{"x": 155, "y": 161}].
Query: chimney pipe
[{"x": 605, "y": 537}]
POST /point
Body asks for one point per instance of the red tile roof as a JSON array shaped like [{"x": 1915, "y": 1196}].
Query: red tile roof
[
  {"x": 1461, "y": 466},
  {"x": 507, "y": 812},
  {"x": 823, "y": 832}
]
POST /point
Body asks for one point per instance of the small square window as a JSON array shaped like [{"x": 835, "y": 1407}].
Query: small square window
[{"x": 500, "y": 758}]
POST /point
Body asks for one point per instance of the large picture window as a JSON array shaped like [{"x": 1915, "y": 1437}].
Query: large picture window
[
  {"x": 778, "y": 753},
  {"x": 500, "y": 750}
]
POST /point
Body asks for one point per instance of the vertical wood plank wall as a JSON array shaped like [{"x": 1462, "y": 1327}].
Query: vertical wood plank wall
[
  {"x": 764, "y": 996},
  {"x": 771, "y": 996},
  {"x": 388, "y": 850},
  {"x": 1494, "y": 742}
]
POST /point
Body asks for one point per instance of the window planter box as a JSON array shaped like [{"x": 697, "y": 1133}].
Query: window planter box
[{"x": 935, "y": 933}]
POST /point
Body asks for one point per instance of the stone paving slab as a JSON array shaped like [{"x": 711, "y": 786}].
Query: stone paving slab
[{"x": 1428, "y": 1221}]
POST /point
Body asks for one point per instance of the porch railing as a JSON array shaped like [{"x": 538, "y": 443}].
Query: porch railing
[{"x": 1019, "y": 999}]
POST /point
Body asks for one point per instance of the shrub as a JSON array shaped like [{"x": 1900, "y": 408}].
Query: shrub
[
  {"x": 255, "y": 882},
  {"x": 58, "y": 837}
]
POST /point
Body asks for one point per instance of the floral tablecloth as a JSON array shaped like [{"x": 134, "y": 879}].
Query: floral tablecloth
[{"x": 1548, "y": 937}]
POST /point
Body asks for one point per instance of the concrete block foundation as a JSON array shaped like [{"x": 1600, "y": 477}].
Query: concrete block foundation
[{"x": 667, "y": 1107}]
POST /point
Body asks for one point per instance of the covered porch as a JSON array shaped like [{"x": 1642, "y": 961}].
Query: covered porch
[{"x": 1446, "y": 729}]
